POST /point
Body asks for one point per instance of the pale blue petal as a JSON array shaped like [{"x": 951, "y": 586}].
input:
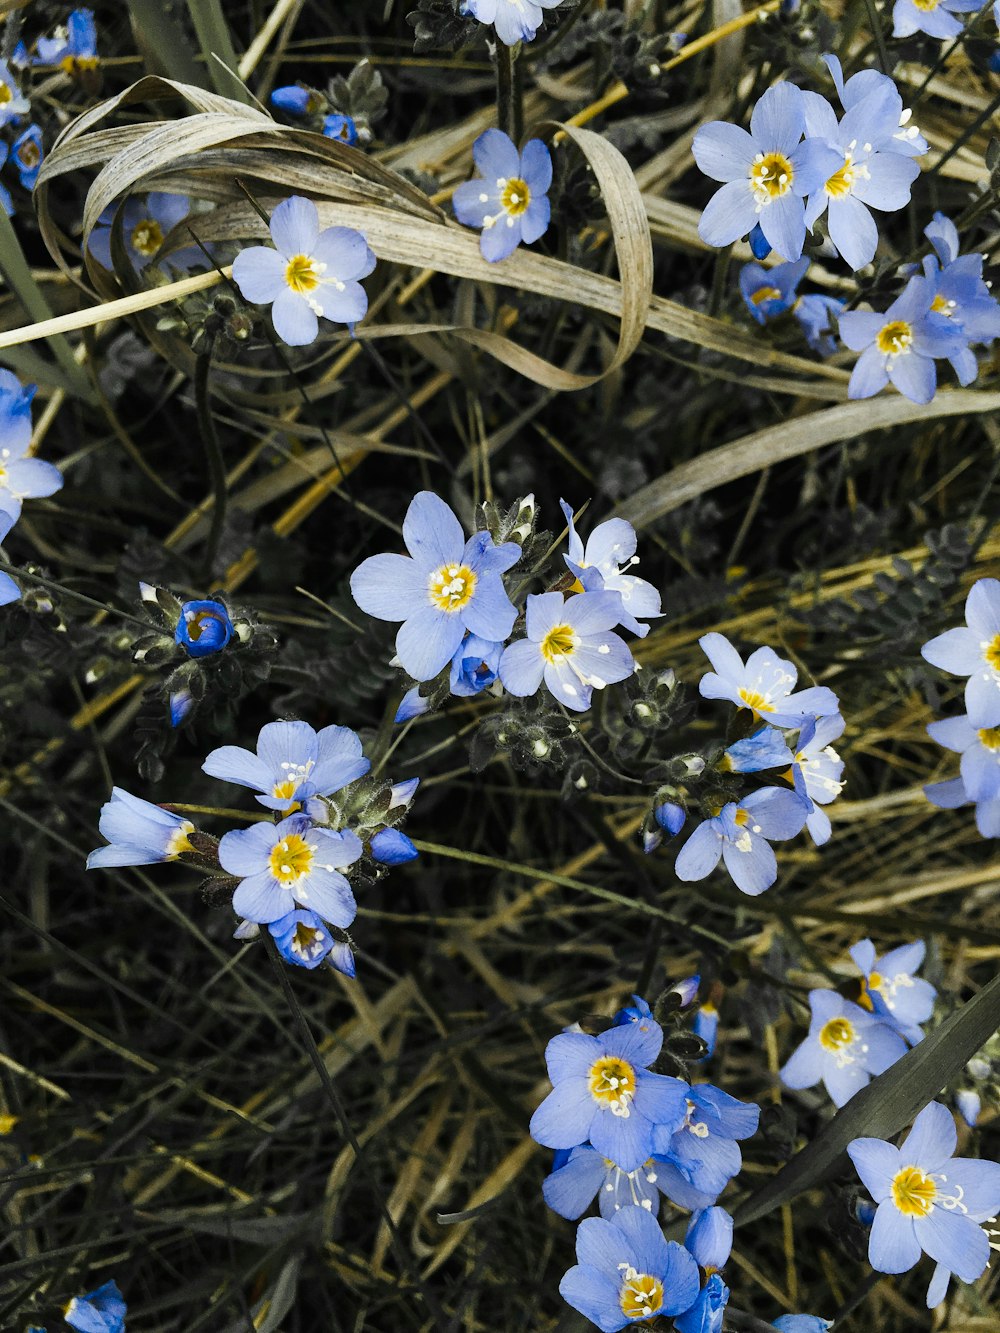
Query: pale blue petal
[
  {"x": 804, "y": 1067},
  {"x": 570, "y": 1055},
  {"x": 783, "y": 225},
  {"x": 389, "y": 587},
  {"x": 753, "y": 871},
  {"x": 490, "y": 613},
  {"x": 501, "y": 240},
  {"x": 345, "y": 253},
  {"x": 563, "y": 1119},
  {"x": 957, "y": 651},
  {"x": 230, "y": 763},
  {"x": 33, "y": 478},
  {"x": 246, "y": 851},
  {"x": 344, "y": 307},
  {"x": 982, "y": 608},
  {"x": 536, "y": 166},
  {"x": 261, "y": 898},
  {"x": 982, "y": 699},
  {"x": 625, "y": 1140},
  {"x": 327, "y": 893},
  {"x": 595, "y": 1295},
  {"x": 339, "y": 760},
  {"x": 431, "y": 532},
  {"x": 521, "y": 668},
  {"x": 914, "y": 376},
  {"x": 955, "y": 1241},
  {"x": 876, "y": 1162},
  {"x": 869, "y": 375},
  {"x": 496, "y": 157},
  {"x": 259, "y": 273},
  {"x": 932, "y": 1140},
  {"x": 723, "y": 151},
  {"x": 729, "y": 215},
  {"x": 571, "y": 1190},
  {"x": 295, "y": 226},
  {"x": 294, "y": 322},
  {"x": 700, "y": 854},
  {"x": 778, "y": 119}
]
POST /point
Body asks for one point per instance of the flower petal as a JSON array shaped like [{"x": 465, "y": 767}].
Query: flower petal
[
  {"x": 389, "y": 587},
  {"x": 295, "y": 226},
  {"x": 427, "y": 642},
  {"x": 294, "y": 322},
  {"x": 259, "y": 273}
]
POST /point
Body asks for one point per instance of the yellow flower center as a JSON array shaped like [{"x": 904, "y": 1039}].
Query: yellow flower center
[
  {"x": 771, "y": 176},
  {"x": 942, "y": 306},
  {"x": 836, "y": 1034},
  {"x": 5, "y": 94},
  {"x": 641, "y": 1295},
  {"x": 989, "y": 737},
  {"x": 913, "y": 1192},
  {"x": 307, "y": 940},
  {"x": 765, "y": 294},
  {"x": 28, "y": 154},
  {"x": 451, "y": 587},
  {"x": 612, "y": 1083},
  {"x": 179, "y": 840},
  {"x": 561, "y": 641},
  {"x": 928, "y": 6},
  {"x": 291, "y": 859},
  {"x": 755, "y": 700},
  {"x": 284, "y": 791},
  {"x": 76, "y": 65},
  {"x": 515, "y": 197},
  {"x": 895, "y": 337},
  {"x": 147, "y": 237},
  {"x": 302, "y": 274},
  {"x": 742, "y": 818},
  {"x": 992, "y": 653},
  {"x": 198, "y": 623},
  {"x": 841, "y": 183}
]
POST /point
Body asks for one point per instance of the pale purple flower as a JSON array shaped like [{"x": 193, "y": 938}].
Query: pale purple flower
[
  {"x": 764, "y": 684},
  {"x": 741, "y": 834},
  {"x": 900, "y": 345},
  {"x": 509, "y": 199},
  {"x": 845, "y": 1047}
]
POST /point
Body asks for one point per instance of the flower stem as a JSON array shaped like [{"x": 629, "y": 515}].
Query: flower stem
[
  {"x": 509, "y": 116},
  {"x": 216, "y": 465}
]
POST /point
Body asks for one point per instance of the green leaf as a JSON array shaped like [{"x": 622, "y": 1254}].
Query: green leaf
[
  {"x": 217, "y": 47},
  {"x": 888, "y": 1104}
]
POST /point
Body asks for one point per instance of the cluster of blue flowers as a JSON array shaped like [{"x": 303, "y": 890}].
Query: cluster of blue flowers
[
  {"x": 849, "y": 1043},
  {"x": 972, "y": 650},
  {"x": 312, "y": 108},
  {"x": 625, "y": 1134},
  {"x": 21, "y": 478},
  {"x": 288, "y": 873}
]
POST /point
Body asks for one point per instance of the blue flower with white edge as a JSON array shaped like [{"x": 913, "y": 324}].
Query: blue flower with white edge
[
  {"x": 927, "y": 1198},
  {"x": 402, "y": 793},
  {"x": 513, "y": 20},
  {"x": 906, "y": 139},
  {"x": 709, "y": 1237},
  {"x": 817, "y": 771},
  {"x": 899, "y": 346},
  {"x": 706, "y": 1026},
  {"x": 580, "y": 1174},
  {"x": 952, "y": 794},
  {"x": 12, "y": 101},
  {"x": 204, "y": 628},
  {"x": 139, "y": 833},
  {"x": 764, "y": 684},
  {"x": 9, "y": 591},
  {"x": 413, "y": 704},
  {"x": 846, "y": 1047},
  {"x": 445, "y": 588},
  {"x": 802, "y": 1323},
  {"x": 889, "y": 989},
  {"x": 866, "y": 177},
  {"x": 570, "y": 646},
  {"x": 603, "y": 1092},
  {"x": 392, "y": 848},
  {"x": 302, "y": 938},
  {"x": 292, "y": 763},
  {"x": 765, "y": 749},
  {"x": 768, "y": 293},
  {"x": 475, "y": 665},
  {"x": 74, "y": 47},
  {"x": 601, "y": 565},
  {"x": 308, "y": 275},
  {"x": 288, "y": 865},
  {"x": 936, "y": 20},
  {"x": 698, "y": 1158},
  {"x": 973, "y": 650},
  {"x": 509, "y": 199},
  {"x": 767, "y": 173},
  {"x": 813, "y": 314},
  {"x": 100, "y": 1311},
  {"x": 21, "y": 478},
  {"x": 708, "y": 1311},
  {"x": 626, "y": 1271},
  {"x": 27, "y": 155},
  {"x": 341, "y": 128},
  {"x": 741, "y": 835},
  {"x": 144, "y": 227},
  {"x": 295, "y": 100},
  {"x": 980, "y": 751}
]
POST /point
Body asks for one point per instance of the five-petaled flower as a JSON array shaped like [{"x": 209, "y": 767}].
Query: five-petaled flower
[
  {"x": 770, "y": 292},
  {"x": 510, "y": 201},
  {"x": 513, "y": 20},
  {"x": 900, "y": 345},
  {"x": 601, "y": 564},
  {"x": 845, "y": 1047},
  {"x": 696, "y": 1160},
  {"x": 139, "y": 833},
  {"x": 145, "y": 226},
  {"x": 741, "y": 834},
  {"x": 570, "y": 646},
  {"x": 973, "y": 650},
  {"x": 817, "y": 771},
  {"x": 627, "y": 1271},
  {"x": 445, "y": 587},
  {"x": 21, "y": 478},
  {"x": 12, "y": 101},
  {"x": 927, "y": 1198},
  {"x": 204, "y": 628},
  {"x": 310, "y": 273},
  {"x": 292, "y": 763},
  {"x": 288, "y": 865},
  {"x": 890, "y": 990},
  {"x": 934, "y": 17},
  {"x": 603, "y": 1092},
  {"x": 764, "y": 684},
  {"x": 302, "y": 938}
]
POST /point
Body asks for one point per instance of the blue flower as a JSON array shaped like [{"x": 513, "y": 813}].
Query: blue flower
[
  {"x": 475, "y": 665},
  {"x": 9, "y": 591},
  {"x": 12, "y": 102},
  {"x": 570, "y": 646},
  {"x": 341, "y": 128},
  {"x": 969, "y": 1105},
  {"x": 936, "y": 20},
  {"x": 291, "y": 864},
  {"x": 402, "y": 793},
  {"x": 74, "y": 47},
  {"x": 708, "y": 1311},
  {"x": 764, "y": 684},
  {"x": 767, "y": 173},
  {"x": 813, "y": 312},
  {"x": 770, "y": 292},
  {"x": 706, "y": 1026},
  {"x": 513, "y": 20},
  {"x": 741, "y": 835},
  {"x": 21, "y": 478},
  {"x": 581, "y": 1173},
  {"x": 412, "y": 705},
  {"x": 960, "y": 295},
  {"x": 446, "y": 587},
  {"x": 204, "y": 628},
  {"x": 295, "y": 100},
  {"x": 603, "y": 1092},
  {"x": 906, "y": 138},
  {"x": 980, "y": 751},
  {"x": 974, "y": 651},
  {"x": 510, "y": 201},
  {"x": 817, "y": 771},
  {"x": 802, "y": 1323},
  {"x": 144, "y": 227},
  {"x": 927, "y": 1199},
  {"x": 899, "y": 345},
  {"x": 759, "y": 244},
  {"x": 709, "y": 1237},
  {"x": 626, "y": 1271},
  {"x": 139, "y": 832},
  {"x": 601, "y": 565},
  {"x": 889, "y": 989},
  {"x": 639, "y": 1011},
  {"x": 696, "y": 1160},
  {"x": 845, "y": 1047},
  {"x": 950, "y": 795},
  {"x": 100, "y": 1311},
  {"x": 27, "y": 156},
  {"x": 765, "y": 749},
  {"x": 302, "y": 937},
  {"x": 292, "y": 763},
  {"x": 868, "y": 175},
  {"x": 311, "y": 273},
  {"x": 392, "y": 848},
  {"x": 670, "y": 817},
  {"x": 181, "y": 703}
]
